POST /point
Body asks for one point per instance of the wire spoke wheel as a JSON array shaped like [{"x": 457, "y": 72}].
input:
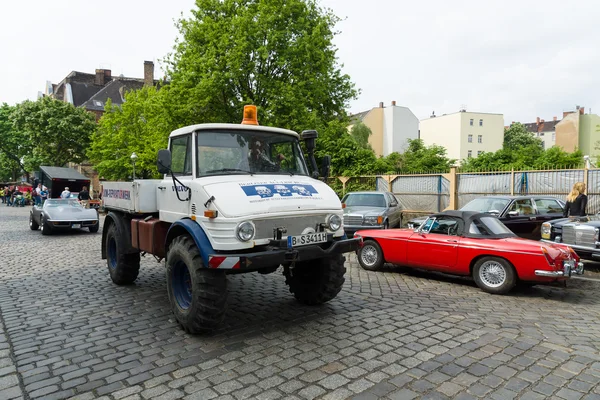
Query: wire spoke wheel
[
  {"x": 492, "y": 274},
  {"x": 369, "y": 255}
]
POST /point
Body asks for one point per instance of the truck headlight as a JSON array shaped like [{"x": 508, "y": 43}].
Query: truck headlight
[
  {"x": 334, "y": 222},
  {"x": 546, "y": 230},
  {"x": 245, "y": 231}
]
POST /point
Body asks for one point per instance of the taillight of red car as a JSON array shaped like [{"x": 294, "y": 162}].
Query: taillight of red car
[{"x": 549, "y": 258}]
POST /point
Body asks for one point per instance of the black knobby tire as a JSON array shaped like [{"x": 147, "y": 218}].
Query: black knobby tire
[
  {"x": 370, "y": 255},
  {"x": 316, "y": 281},
  {"x": 34, "y": 226},
  {"x": 123, "y": 268},
  {"x": 198, "y": 295},
  {"x": 494, "y": 275},
  {"x": 46, "y": 229},
  {"x": 94, "y": 229}
]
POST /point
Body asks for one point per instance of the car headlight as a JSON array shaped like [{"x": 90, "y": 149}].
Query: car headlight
[
  {"x": 334, "y": 222},
  {"x": 546, "y": 229},
  {"x": 245, "y": 231},
  {"x": 374, "y": 220}
]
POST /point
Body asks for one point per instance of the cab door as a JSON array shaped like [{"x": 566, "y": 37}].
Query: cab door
[
  {"x": 436, "y": 245},
  {"x": 170, "y": 206},
  {"x": 522, "y": 219}
]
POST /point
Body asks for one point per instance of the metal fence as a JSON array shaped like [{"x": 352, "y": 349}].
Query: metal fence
[{"x": 432, "y": 192}]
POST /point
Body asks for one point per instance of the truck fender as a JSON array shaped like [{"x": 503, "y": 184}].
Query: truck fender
[
  {"x": 187, "y": 226},
  {"x": 123, "y": 226}
]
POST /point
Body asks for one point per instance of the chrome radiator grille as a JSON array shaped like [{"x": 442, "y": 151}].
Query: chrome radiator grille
[
  {"x": 579, "y": 235},
  {"x": 293, "y": 225},
  {"x": 353, "y": 220}
]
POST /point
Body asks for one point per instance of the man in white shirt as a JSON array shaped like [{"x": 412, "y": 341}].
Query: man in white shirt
[{"x": 65, "y": 194}]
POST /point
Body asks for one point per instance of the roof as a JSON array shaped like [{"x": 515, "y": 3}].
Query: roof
[
  {"x": 461, "y": 112},
  {"x": 204, "y": 127},
  {"x": 468, "y": 217},
  {"x": 82, "y": 91},
  {"x": 546, "y": 126},
  {"x": 63, "y": 173},
  {"x": 115, "y": 91},
  {"x": 358, "y": 116}
]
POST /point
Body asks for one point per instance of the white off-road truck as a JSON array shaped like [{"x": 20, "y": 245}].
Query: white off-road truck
[{"x": 234, "y": 199}]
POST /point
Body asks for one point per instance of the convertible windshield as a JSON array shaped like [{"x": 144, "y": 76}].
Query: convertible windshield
[
  {"x": 486, "y": 205},
  {"x": 62, "y": 203},
  {"x": 248, "y": 152},
  {"x": 364, "y": 199}
]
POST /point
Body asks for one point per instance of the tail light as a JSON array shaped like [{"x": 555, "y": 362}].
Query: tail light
[{"x": 548, "y": 256}]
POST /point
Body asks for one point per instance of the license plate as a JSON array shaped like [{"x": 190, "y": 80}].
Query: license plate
[
  {"x": 76, "y": 226},
  {"x": 308, "y": 238}
]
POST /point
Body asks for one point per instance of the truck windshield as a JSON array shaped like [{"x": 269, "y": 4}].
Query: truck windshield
[{"x": 248, "y": 152}]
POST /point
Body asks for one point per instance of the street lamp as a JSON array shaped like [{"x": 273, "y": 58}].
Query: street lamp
[{"x": 133, "y": 158}]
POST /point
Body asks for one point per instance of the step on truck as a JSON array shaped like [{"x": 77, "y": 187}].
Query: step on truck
[{"x": 233, "y": 199}]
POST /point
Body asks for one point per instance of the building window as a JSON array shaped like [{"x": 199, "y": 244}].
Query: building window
[
  {"x": 469, "y": 153},
  {"x": 479, "y": 138},
  {"x": 479, "y": 152},
  {"x": 471, "y": 122},
  {"x": 554, "y": 136},
  {"x": 470, "y": 138},
  {"x": 541, "y": 133},
  {"x": 480, "y": 122}
]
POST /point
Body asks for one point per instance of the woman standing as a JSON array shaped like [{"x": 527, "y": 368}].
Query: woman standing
[{"x": 576, "y": 201}]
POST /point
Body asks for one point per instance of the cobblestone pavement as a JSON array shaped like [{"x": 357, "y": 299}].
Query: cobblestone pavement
[{"x": 67, "y": 331}]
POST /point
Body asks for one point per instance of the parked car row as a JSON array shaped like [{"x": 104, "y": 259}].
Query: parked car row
[{"x": 494, "y": 239}]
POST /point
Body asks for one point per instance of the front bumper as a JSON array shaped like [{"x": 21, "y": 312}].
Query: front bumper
[
  {"x": 68, "y": 224},
  {"x": 566, "y": 272},
  {"x": 279, "y": 255},
  {"x": 576, "y": 247},
  {"x": 351, "y": 229}
]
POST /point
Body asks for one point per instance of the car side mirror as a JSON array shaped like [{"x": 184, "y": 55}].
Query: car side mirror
[
  {"x": 494, "y": 212},
  {"x": 393, "y": 204},
  {"x": 163, "y": 163},
  {"x": 513, "y": 213}
]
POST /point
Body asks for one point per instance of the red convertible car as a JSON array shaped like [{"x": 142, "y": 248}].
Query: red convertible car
[{"x": 469, "y": 243}]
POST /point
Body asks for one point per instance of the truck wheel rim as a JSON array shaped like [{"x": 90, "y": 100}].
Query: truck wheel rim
[
  {"x": 182, "y": 285},
  {"x": 112, "y": 253},
  {"x": 368, "y": 255},
  {"x": 492, "y": 274}
]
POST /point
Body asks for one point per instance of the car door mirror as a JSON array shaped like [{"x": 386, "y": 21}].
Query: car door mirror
[
  {"x": 163, "y": 163},
  {"x": 496, "y": 212},
  {"x": 394, "y": 204},
  {"x": 513, "y": 213},
  {"x": 325, "y": 167}
]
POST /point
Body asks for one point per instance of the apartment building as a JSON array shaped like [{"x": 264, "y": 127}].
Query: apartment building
[
  {"x": 391, "y": 127},
  {"x": 464, "y": 134}
]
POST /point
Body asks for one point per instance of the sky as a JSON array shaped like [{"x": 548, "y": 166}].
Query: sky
[{"x": 524, "y": 59}]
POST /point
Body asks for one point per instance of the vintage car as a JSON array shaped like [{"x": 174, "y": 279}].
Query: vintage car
[
  {"x": 370, "y": 210},
  {"x": 470, "y": 243},
  {"x": 62, "y": 214},
  {"x": 580, "y": 233},
  {"x": 523, "y": 215}
]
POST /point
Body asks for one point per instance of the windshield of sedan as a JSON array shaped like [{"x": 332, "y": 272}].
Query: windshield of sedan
[
  {"x": 62, "y": 203},
  {"x": 248, "y": 152},
  {"x": 364, "y": 199},
  {"x": 489, "y": 226},
  {"x": 486, "y": 205}
]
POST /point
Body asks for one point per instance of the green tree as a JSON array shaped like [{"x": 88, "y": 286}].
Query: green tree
[
  {"x": 419, "y": 157},
  {"x": 140, "y": 125},
  {"x": 14, "y": 145},
  {"x": 278, "y": 55},
  {"x": 518, "y": 137},
  {"x": 56, "y": 132},
  {"x": 361, "y": 133}
]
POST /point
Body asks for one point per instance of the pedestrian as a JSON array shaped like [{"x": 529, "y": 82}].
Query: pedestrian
[
  {"x": 576, "y": 201},
  {"x": 84, "y": 196},
  {"x": 44, "y": 194},
  {"x": 66, "y": 193},
  {"x": 37, "y": 195},
  {"x": 2, "y": 195}
]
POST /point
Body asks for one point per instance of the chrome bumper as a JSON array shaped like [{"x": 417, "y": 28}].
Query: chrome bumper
[{"x": 567, "y": 271}]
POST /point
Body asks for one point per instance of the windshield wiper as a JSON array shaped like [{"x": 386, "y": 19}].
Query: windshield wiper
[{"x": 229, "y": 170}]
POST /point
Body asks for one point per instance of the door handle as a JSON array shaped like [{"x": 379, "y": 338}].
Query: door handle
[
  {"x": 162, "y": 187},
  {"x": 532, "y": 218},
  {"x": 452, "y": 241}
]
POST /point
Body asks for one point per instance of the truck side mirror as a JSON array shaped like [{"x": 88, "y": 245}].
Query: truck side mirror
[
  {"x": 325, "y": 167},
  {"x": 310, "y": 138},
  {"x": 163, "y": 164}
]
